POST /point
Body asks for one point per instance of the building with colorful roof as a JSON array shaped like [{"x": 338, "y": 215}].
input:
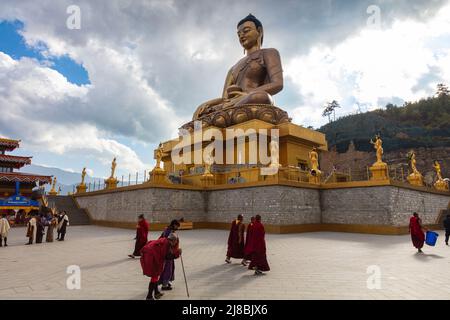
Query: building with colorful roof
[{"x": 16, "y": 188}]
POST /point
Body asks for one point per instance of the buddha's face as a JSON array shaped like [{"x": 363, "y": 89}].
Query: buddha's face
[{"x": 248, "y": 35}]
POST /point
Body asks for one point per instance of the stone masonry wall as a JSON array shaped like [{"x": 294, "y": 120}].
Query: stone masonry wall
[
  {"x": 388, "y": 205},
  {"x": 279, "y": 205},
  {"x": 158, "y": 205}
]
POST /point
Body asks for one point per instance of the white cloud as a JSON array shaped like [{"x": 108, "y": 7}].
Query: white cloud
[
  {"x": 372, "y": 67},
  {"x": 31, "y": 89}
]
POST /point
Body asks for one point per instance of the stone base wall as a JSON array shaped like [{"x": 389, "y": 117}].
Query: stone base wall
[
  {"x": 386, "y": 205},
  {"x": 285, "y": 209},
  {"x": 157, "y": 204}
]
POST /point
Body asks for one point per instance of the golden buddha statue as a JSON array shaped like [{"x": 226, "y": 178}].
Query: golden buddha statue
[
  {"x": 437, "y": 167},
  {"x": 378, "y": 145},
  {"x": 415, "y": 178},
  {"x": 113, "y": 167},
  {"x": 158, "y": 155},
  {"x": 252, "y": 81},
  {"x": 440, "y": 183},
  {"x": 83, "y": 175},
  {"x": 53, "y": 191}
]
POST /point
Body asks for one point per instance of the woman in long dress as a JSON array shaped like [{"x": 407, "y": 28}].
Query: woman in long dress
[{"x": 51, "y": 228}]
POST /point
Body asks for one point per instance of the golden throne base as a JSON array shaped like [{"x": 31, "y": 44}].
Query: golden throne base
[{"x": 379, "y": 171}]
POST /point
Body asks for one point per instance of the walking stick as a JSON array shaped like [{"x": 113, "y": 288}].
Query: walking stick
[{"x": 184, "y": 273}]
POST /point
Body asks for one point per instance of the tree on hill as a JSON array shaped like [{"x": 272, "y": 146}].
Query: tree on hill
[
  {"x": 329, "y": 109},
  {"x": 442, "y": 90}
]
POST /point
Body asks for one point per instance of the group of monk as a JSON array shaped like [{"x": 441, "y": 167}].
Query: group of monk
[
  {"x": 157, "y": 256},
  {"x": 252, "y": 250}
]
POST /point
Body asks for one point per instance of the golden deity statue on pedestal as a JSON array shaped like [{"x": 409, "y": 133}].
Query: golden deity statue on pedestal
[
  {"x": 207, "y": 178},
  {"x": 379, "y": 169},
  {"x": 314, "y": 173},
  {"x": 440, "y": 183},
  {"x": 53, "y": 191},
  {"x": 415, "y": 178},
  {"x": 111, "y": 182},
  {"x": 158, "y": 174},
  {"x": 81, "y": 188}
]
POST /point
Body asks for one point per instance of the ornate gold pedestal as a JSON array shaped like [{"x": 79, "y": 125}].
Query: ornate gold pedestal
[
  {"x": 207, "y": 180},
  {"x": 111, "y": 183},
  {"x": 158, "y": 176},
  {"x": 81, "y": 188},
  {"x": 415, "y": 179},
  {"x": 379, "y": 171},
  {"x": 53, "y": 192},
  {"x": 441, "y": 185},
  {"x": 315, "y": 178}
]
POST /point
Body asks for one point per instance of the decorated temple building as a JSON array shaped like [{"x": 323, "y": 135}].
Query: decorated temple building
[{"x": 16, "y": 188}]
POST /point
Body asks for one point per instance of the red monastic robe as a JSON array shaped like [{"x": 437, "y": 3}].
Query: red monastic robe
[
  {"x": 153, "y": 255},
  {"x": 257, "y": 248},
  {"x": 417, "y": 234},
  {"x": 236, "y": 248},
  {"x": 141, "y": 237},
  {"x": 248, "y": 237}
]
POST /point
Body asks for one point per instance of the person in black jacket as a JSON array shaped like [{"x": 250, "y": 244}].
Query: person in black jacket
[{"x": 447, "y": 228}]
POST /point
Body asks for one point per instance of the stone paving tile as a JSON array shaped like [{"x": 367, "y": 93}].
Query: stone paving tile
[{"x": 304, "y": 266}]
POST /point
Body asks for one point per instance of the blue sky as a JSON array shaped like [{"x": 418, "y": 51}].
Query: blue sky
[
  {"x": 136, "y": 71},
  {"x": 13, "y": 44}
]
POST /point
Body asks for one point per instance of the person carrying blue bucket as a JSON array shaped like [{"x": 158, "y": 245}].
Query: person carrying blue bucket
[{"x": 417, "y": 232}]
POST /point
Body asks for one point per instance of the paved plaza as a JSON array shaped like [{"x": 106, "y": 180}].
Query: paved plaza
[{"x": 322, "y": 265}]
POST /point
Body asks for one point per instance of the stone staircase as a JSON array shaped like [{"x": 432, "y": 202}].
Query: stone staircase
[
  {"x": 67, "y": 203},
  {"x": 442, "y": 215}
]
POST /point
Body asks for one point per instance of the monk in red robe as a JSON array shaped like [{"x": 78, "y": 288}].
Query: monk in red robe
[
  {"x": 236, "y": 240},
  {"x": 257, "y": 248},
  {"x": 153, "y": 256},
  {"x": 416, "y": 231},
  {"x": 248, "y": 236},
  {"x": 141, "y": 236}
]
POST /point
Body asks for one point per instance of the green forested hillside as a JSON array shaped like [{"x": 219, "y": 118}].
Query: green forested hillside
[{"x": 425, "y": 123}]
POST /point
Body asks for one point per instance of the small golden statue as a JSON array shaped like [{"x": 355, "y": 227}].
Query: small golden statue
[
  {"x": 83, "y": 175},
  {"x": 159, "y": 153},
  {"x": 207, "y": 178},
  {"x": 415, "y": 178},
  {"x": 158, "y": 174},
  {"x": 111, "y": 182},
  {"x": 81, "y": 188},
  {"x": 209, "y": 161},
  {"x": 314, "y": 174},
  {"x": 113, "y": 167},
  {"x": 379, "y": 169},
  {"x": 53, "y": 191},
  {"x": 440, "y": 183},
  {"x": 274, "y": 154},
  {"x": 378, "y": 145}
]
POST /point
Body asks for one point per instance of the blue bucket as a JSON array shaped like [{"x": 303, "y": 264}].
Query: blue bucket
[{"x": 431, "y": 238}]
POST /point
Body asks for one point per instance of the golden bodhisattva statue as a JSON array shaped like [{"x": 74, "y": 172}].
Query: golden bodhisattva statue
[
  {"x": 81, "y": 188},
  {"x": 158, "y": 174},
  {"x": 415, "y": 178},
  {"x": 53, "y": 191},
  {"x": 314, "y": 174},
  {"x": 379, "y": 169},
  {"x": 207, "y": 178},
  {"x": 249, "y": 84},
  {"x": 440, "y": 183},
  {"x": 111, "y": 182}
]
